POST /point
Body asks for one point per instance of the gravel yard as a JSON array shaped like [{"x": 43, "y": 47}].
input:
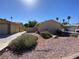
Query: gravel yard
[{"x": 48, "y": 49}]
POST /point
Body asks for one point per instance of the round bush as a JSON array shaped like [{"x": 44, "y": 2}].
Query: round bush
[
  {"x": 46, "y": 34},
  {"x": 23, "y": 42}
]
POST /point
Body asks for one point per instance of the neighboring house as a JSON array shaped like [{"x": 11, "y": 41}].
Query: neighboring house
[
  {"x": 51, "y": 25},
  {"x": 72, "y": 28},
  {"x": 8, "y": 27}
]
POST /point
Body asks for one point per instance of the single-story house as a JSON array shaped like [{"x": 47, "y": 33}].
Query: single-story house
[
  {"x": 51, "y": 25},
  {"x": 72, "y": 28},
  {"x": 8, "y": 27}
]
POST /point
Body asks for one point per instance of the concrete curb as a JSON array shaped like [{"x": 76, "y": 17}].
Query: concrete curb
[{"x": 9, "y": 39}]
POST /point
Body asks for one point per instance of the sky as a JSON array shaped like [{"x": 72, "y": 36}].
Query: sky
[{"x": 39, "y": 10}]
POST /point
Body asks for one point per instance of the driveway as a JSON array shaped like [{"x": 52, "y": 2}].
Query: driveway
[{"x": 5, "y": 41}]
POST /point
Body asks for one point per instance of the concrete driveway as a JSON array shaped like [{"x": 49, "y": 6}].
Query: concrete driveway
[{"x": 5, "y": 41}]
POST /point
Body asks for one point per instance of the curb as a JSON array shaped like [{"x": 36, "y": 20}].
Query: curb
[{"x": 6, "y": 44}]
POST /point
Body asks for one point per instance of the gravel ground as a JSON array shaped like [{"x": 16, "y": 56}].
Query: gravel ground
[{"x": 48, "y": 49}]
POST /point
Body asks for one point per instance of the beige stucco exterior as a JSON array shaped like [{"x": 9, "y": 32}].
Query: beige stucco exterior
[
  {"x": 7, "y": 27},
  {"x": 50, "y": 25},
  {"x": 3, "y": 28}
]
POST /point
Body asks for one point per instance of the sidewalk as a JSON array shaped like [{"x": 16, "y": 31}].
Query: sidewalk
[{"x": 5, "y": 41}]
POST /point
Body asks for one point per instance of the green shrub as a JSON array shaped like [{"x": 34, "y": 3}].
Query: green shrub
[
  {"x": 58, "y": 32},
  {"x": 46, "y": 34},
  {"x": 23, "y": 42},
  {"x": 32, "y": 23}
]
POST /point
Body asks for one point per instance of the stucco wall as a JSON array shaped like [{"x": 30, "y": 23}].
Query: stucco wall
[
  {"x": 51, "y": 26},
  {"x": 14, "y": 28},
  {"x": 10, "y": 27},
  {"x": 4, "y": 28}
]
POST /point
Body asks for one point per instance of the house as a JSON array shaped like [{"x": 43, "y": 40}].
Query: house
[
  {"x": 72, "y": 28},
  {"x": 51, "y": 25},
  {"x": 8, "y": 27}
]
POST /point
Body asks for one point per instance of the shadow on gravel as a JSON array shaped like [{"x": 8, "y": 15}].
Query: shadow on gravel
[
  {"x": 77, "y": 57},
  {"x": 18, "y": 51},
  {"x": 4, "y": 50},
  {"x": 22, "y": 50},
  {"x": 5, "y": 35}
]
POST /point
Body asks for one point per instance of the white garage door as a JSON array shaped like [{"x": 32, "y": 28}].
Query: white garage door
[{"x": 3, "y": 28}]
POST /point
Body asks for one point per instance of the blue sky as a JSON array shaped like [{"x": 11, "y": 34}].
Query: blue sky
[{"x": 41, "y": 11}]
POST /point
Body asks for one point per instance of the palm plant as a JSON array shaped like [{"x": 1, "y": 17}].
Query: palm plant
[
  {"x": 11, "y": 18},
  {"x": 69, "y": 17},
  {"x": 63, "y": 20},
  {"x": 64, "y": 23},
  {"x": 57, "y": 18}
]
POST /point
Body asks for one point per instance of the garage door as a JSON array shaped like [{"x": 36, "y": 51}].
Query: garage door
[{"x": 3, "y": 29}]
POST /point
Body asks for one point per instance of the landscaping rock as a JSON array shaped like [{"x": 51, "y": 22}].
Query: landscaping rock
[
  {"x": 55, "y": 36},
  {"x": 78, "y": 36}
]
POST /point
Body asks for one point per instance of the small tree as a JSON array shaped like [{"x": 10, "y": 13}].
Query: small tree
[
  {"x": 32, "y": 23},
  {"x": 26, "y": 25}
]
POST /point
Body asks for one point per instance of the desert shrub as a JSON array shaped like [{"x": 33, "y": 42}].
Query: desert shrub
[
  {"x": 46, "y": 34},
  {"x": 65, "y": 34},
  {"x": 23, "y": 42},
  {"x": 62, "y": 33},
  {"x": 58, "y": 32}
]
